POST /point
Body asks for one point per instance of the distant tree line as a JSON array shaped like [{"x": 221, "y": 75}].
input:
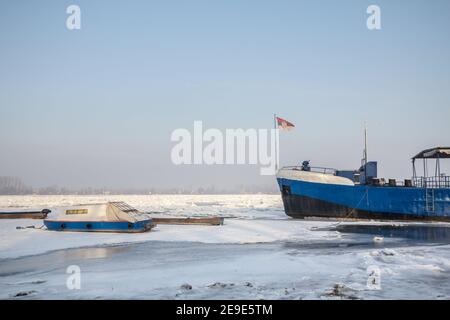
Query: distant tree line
[{"x": 15, "y": 186}]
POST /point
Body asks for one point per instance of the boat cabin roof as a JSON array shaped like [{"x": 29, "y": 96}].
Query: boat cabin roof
[{"x": 434, "y": 153}]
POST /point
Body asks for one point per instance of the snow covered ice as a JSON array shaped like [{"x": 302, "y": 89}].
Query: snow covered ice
[{"x": 259, "y": 253}]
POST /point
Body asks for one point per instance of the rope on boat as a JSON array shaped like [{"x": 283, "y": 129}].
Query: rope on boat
[
  {"x": 354, "y": 208},
  {"x": 352, "y": 211}
]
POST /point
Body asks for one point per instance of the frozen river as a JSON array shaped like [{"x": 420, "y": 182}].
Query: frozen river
[{"x": 258, "y": 254}]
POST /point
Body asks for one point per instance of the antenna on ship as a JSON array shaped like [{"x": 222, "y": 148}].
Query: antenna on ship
[
  {"x": 275, "y": 124},
  {"x": 365, "y": 151}
]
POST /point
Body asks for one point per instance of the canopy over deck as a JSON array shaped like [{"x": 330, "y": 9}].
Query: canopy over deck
[
  {"x": 107, "y": 212},
  {"x": 434, "y": 153}
]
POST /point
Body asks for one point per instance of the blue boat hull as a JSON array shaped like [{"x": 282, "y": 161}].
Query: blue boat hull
[
  {"x": 99, "y": 226},
  {"x": 311, "y": 199}
]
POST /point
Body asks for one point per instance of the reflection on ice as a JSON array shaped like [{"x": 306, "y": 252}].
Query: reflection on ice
[
  {"x": 423, "y": 232},
  {"x": 173, "y": 270}
]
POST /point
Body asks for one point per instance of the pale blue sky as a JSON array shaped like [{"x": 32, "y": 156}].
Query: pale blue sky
[{"x": 96, "y": 107}]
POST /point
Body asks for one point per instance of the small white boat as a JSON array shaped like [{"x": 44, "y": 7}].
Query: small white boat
[{"x": 103, "y": 217}]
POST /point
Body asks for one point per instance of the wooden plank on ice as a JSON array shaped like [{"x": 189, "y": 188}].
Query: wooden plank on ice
[
  {"x": 210, "y": 221},
  {"x": 25, "y": 214}
]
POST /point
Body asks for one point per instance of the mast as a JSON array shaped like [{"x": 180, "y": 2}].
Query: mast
[
  {"x": 276, "y": 144},
  {"x": 365, "y": 152}
]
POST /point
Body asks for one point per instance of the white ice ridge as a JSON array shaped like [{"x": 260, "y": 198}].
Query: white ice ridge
[{"x": 22, "y": 242}]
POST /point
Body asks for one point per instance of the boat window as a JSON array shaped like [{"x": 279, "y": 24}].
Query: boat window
[{"x": 77, "y": 211}]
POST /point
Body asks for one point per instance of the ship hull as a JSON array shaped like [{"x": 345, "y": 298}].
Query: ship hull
[
  {"x": 303, "y": 199},
  {"x": 301, "y": 207},
  {"x": 100, "y": 226}
]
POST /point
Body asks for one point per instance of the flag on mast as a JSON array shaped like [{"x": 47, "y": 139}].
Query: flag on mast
[{"x": 284, "y": 124}]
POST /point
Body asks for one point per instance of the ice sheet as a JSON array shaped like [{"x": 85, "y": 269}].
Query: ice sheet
[
  {"x": 20, "y": 242},
  {"x": 258, "y": 254}
]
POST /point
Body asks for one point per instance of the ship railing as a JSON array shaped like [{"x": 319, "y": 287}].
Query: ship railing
[
  {"x": 432, "y": 182},
  {"x": 313, "y": 169}
]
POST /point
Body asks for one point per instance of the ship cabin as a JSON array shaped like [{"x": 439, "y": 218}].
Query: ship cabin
[{"x": 438, "y": 179}]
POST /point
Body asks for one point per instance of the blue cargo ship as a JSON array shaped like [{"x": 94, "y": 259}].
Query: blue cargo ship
[{"x": 360, "y": 194}]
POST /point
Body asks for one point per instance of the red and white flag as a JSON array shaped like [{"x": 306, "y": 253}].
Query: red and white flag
[{"x": 284, "y": 124}]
